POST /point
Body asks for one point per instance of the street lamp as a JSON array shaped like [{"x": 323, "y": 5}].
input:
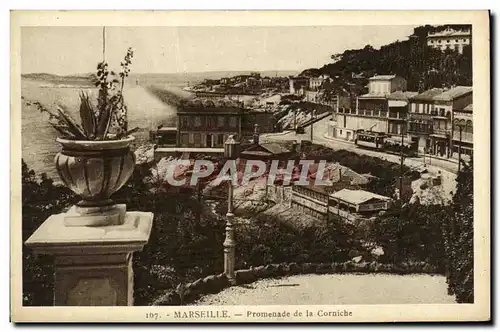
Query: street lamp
[{"x": 231, "y": 152}]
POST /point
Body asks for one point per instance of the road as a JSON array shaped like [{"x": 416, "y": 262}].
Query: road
[{"x": 448, "y": 169}]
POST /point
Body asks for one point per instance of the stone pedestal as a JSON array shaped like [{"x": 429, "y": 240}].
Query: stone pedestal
[{"x": 93, "y": 264}]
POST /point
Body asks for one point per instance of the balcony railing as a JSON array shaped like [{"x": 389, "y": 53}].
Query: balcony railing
[
  {"x": 441, "y": 114},
  {"x": 420, "y": 130},
  {"x": 374, "y": 113},
  {"x": 441, "y": 131},
  {"x": 420, "y": 116}
]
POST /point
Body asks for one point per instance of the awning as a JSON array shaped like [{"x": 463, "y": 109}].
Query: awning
[{"x": 397, "y": 103}]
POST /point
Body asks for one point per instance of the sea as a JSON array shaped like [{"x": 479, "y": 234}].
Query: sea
[{"x": 38, "y": 138}]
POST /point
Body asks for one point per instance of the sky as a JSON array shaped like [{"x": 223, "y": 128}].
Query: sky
[{"x": 77, "y": 50}]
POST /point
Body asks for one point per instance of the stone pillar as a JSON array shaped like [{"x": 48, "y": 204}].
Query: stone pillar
[{"x": 92, "y": 264}]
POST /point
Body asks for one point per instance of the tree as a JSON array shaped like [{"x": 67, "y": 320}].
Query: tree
[
  {"x": 460, "y": 238},
  {"x": 422, "y": 66}
]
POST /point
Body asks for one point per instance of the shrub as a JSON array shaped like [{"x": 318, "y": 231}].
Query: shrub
[{"x": 40, "y": 199}]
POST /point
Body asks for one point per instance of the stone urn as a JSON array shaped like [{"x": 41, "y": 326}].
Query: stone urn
[{"x": 95, "y": 170}]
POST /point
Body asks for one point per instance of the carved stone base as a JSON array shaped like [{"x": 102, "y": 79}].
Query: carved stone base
[
  {"x": 95, "y": 216},
  {"x": 93, "y": 265}
]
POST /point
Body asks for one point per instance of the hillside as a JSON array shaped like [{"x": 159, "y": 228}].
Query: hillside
[{"x": 422, "y": 66}]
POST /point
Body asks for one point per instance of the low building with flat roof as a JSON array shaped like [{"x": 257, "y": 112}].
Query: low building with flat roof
[{"x": 357, "y": 204}]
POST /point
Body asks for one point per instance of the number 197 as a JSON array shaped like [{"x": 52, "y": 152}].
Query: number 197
[{"x": 152, "y": 315}]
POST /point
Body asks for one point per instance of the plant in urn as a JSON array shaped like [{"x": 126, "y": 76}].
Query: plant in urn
[{"x": 95, "y": 160}]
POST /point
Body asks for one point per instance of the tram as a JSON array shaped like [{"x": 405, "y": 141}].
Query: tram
[
  {"x": 383, "y": 142},
  {"x": 370, "y": 139}
]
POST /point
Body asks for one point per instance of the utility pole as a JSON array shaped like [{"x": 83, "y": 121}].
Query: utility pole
[
  {"x": 312, "y": 123},
  {"x": 460, "y": 146},
  {"x": 401, "y": 168}
]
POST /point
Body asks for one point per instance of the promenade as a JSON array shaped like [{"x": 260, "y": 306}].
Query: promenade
[{"x": 335, "y": 289}]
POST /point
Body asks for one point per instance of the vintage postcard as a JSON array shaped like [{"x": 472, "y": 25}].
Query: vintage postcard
[{"x": 295, "y": 166}]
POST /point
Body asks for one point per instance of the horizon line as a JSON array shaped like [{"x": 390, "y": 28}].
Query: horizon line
[{"x": 175, "y": 73}]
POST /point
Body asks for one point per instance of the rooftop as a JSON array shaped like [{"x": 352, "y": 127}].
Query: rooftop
[
  {"x": 382, "y": 77},
  {"x": 428, "y": 95},
  {"x": 334, "y": 172},
  {"x": 450, "y": 33},
  {"x": 164, "y": 129},
  {"x": 453, "y": 93},
  {"x": 374, "y": 95},
  {"x": 210, "y": 103},
  {"x": 402, "y": 95},
  {"x": 357, "y": 196}
]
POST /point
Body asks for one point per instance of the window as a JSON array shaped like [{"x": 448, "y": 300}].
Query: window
[
  {"x": 197, "y": 139},
  {"x": 468, "y": 126},
  {"x": 456, "y": 40},
  {"x": 184, "y": 122},
  {"x": 232, "y": 122},
  {"x": 432, "y": 41},
  {"x": 340, "y": 132},
  {"x": 184, "y": 139},
  {"x": 220, "y": 140},
  {"x": 448, "y": 41},
  {"x": 220, "y": 121},
  {"x": 197, "y": 121}
]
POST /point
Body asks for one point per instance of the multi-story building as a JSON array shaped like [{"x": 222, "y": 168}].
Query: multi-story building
[
  {"x": 450, "y": 39},
  {"x": 420, "y": 121},
  {"x": 442, "y": 116},
  {"x": 383, "y": 85},
  {"x": 382, "y": 109},
  {"x": 298, "y": 83},
  {"x": 462, "y": 131},
  {"x": 397, "y": 103},
  {"x": 316, "y": 82},
  {"x": 206, "y": 123},
  {"x": 431, "y": 118}
]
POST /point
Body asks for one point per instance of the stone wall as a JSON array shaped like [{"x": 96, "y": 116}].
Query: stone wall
[{"x": 190, "y": 292}]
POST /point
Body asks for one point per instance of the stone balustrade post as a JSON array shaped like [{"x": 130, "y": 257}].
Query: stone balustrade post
[{"x": 93, "y": 264}]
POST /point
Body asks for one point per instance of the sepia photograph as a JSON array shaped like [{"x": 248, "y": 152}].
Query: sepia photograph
[{"x": 173, "y": 169}]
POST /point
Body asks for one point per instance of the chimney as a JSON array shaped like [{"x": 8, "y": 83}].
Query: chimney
[{"x": 256, "y": 134}]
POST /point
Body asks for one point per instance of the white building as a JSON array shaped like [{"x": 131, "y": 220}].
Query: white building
[
  {"x": 450, "y": 39},
  {"x": 316, "y": 82},
  {"x": 383, "y": 85}
]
